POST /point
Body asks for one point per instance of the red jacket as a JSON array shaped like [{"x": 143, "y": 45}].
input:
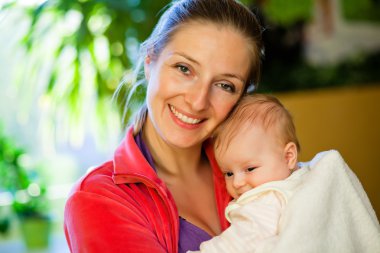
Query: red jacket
[{"x": 122, "y": 206}]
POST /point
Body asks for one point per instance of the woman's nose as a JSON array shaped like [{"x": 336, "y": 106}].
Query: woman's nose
[{"x": 198, "y": 96}]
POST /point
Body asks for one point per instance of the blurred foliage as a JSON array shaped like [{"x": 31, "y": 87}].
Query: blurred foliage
[
  {"x": 24, "y": 185},
  {"x": 12, "y": 175},
  {"x": 284, "y": 65},
  {"x": 97, "y": 44},
  {"x": 286, "y": 12},
  {"x": 363, "y": 10},
  {"x": 283, "y": 76}
]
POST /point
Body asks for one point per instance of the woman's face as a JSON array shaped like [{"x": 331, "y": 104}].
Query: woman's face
[{"x": 194, "y": 82}]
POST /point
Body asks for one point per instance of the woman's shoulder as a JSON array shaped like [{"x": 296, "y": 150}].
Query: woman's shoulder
[
  {"x": 97, "y": 181},
  {"x": 97, "y": 190}
]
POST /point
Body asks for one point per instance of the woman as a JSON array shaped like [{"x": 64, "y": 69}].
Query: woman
[{"x": 163, "y": 191}]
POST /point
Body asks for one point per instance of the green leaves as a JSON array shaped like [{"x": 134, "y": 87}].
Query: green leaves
[
  {"x": 288, "y": 12},
  {"x": 88, "y": 45},
  {"x": 364, "y": 10},
  {"x": 23, "y": 184}
]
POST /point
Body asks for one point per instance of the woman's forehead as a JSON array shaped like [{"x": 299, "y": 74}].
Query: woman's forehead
[{"x": 210, "y": 44}]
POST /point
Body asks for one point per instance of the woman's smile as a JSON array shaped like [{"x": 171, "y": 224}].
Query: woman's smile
[{"x": 184, "y": 118}]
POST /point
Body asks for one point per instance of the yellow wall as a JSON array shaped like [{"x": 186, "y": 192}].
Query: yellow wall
[{"x": 345, "y": 119}]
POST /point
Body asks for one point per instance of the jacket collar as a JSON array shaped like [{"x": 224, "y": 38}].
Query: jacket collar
[{"x": 130, "y": 165}]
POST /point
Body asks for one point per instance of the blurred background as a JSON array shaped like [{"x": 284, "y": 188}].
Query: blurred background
[{"x": 61, "y": 61}]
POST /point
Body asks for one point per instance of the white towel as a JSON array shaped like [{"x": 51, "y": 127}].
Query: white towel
[{"x": 329, "y": 213}]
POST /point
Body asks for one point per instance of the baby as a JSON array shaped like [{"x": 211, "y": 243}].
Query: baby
[{"x": 256, "y": 149}]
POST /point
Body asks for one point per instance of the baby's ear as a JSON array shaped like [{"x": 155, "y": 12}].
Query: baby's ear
[{"x": 291, "y": 154}]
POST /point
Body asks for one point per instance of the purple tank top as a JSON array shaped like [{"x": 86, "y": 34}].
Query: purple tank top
[{"x": 190, "y": 236}]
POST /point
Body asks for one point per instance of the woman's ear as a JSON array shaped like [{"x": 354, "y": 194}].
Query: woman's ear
[
  {"x": 147, "y": 66},
  {"x": 291, "y": 154}
]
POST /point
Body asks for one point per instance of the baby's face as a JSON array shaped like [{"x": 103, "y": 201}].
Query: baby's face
[{"x": 252, "y": 158}]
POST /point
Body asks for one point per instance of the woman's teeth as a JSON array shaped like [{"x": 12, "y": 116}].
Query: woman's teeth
[{"x": 184, "y": 118}]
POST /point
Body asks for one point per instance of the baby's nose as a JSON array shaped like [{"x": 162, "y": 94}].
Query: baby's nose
[{"x": 239, "y": 180}]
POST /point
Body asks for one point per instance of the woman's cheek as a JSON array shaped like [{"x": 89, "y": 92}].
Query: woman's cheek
[{"x": 223, "y": 102}]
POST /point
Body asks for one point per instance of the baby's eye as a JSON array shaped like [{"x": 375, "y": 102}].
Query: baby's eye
[
  {"x": 228, "y": 174},
  {"x": 227, "y": 87},
  {"x": 251, "y": 169},
  {"x": 183, "y": 69}
]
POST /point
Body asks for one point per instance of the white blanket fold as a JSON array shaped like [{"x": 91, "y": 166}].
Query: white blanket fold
[{"x": 330, "y": 213}]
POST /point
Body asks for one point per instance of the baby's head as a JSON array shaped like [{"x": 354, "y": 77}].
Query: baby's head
[{"x": 256, "y": 144}]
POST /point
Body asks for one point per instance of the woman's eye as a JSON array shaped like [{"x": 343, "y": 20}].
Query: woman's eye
[
  {"x": 251, "y": 169},
  {"x": 183, "y": 69},
  {"x": 228, "y": 174},
  {"x": 227, "y": 87}
]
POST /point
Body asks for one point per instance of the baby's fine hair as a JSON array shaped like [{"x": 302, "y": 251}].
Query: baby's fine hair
[{"x": 257, "y": 110}]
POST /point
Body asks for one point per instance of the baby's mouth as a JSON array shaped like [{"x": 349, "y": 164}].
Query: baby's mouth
[{"x": 184, "y": 118}]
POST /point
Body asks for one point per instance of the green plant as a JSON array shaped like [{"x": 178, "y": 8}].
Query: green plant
[
  {"x": 28, "y": 195},
  {"x": 364, "y": 10},
  {"x": 299, "y": 75},
  {"x": 84, "y": 49},
  {"x": 285, "y": 12}
]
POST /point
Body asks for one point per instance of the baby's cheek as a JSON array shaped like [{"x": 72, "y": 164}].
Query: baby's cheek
[{"x": 230, "y": 188}]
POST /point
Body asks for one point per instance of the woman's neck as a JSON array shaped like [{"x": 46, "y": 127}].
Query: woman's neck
[{"x": 168, "y": 159}]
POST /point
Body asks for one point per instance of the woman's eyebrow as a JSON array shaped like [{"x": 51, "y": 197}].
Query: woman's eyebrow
[
  {"x": 234, "y": 76},
  {"x": 187, "y": 57}
]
